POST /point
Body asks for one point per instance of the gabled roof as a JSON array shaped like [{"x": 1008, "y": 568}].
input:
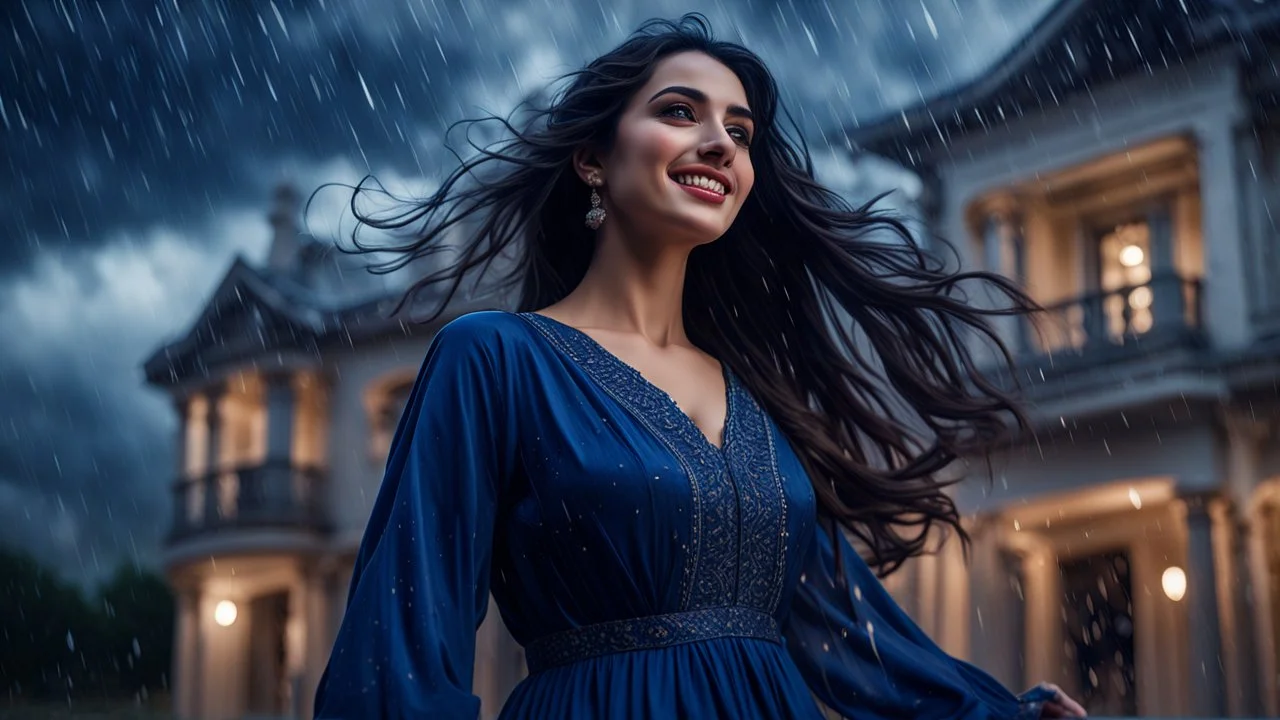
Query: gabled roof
[
  {"x": 245, "y": 316},
  {"x": 1076, "y": 45},
  {"x": 255, "y": 313}
]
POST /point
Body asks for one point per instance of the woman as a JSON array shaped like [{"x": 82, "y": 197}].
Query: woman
[{"x": 651, "y": 466}]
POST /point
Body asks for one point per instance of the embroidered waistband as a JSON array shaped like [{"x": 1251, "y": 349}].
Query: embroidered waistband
[{"x": 651, "y": 632}]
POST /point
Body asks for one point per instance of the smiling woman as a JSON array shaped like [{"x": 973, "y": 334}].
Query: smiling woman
[{"x": 676, "y": 407}]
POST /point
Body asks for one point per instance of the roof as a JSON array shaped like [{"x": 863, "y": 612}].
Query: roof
[
  {"x": 1076, "y": 45},
  {"x": 255, "y": 314}
]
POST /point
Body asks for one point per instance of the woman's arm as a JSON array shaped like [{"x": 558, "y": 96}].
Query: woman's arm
[{"x": 406, "y": 645}]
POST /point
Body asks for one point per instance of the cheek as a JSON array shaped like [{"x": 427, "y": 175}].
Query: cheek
[{"x": 646, "y": 150}]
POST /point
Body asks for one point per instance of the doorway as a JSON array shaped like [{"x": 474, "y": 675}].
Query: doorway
[
  {"x": 1099, "y": 631},
  {"x": 267, "y": 679}
]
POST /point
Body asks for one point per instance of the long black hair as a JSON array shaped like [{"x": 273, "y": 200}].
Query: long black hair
[{"x": 827, "y": 312}]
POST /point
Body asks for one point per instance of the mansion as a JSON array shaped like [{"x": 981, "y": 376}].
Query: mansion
[{"x": 1122, "y": 162}]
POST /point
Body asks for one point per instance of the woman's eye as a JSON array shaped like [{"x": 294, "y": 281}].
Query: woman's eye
[{"x": 685, "y": 110}]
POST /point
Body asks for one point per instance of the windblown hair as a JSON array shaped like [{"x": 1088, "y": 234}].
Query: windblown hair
[{"x": 781, "y": 297}]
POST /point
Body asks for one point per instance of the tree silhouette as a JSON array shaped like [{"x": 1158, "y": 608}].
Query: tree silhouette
[{"x": 56, "y": 645}]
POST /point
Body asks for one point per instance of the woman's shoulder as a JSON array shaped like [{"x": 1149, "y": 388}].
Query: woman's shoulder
[{"x": 492, "y": 332}]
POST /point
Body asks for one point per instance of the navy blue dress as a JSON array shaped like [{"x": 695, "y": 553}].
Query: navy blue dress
[{"x": 646, "y": 572}]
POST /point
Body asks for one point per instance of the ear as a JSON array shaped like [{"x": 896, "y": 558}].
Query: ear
[{"x": 586, "y": 162}]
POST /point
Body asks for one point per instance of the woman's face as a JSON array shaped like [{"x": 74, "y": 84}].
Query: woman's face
[{"x": 680, "y": 167}]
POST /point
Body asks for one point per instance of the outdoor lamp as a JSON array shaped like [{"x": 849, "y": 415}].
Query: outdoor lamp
[
  {"x": 224, "y": 613},
  {"x": 1174, "y": 582}
]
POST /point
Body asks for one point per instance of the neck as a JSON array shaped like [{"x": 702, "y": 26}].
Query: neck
[{"x": 632, "y": 287}]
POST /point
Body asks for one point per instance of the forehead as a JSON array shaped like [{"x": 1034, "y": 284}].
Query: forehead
[{"x": 698, "y": 71}]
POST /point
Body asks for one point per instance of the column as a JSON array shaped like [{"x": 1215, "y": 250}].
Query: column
[
  {"x": 1206, "y": 678},
  {"x": 181, "y": 482},
  {"x": 1042, "y": 589},
  {"x": 295, "y": 637},
  {"x": 185, "y": 672},
  {"x": 213, "y": 465},
  {"x": 318, "y": 586},
  {"x": 1166, "y": 286},
  {"x": 927, "y": 593},
  {"x": 1225, "y": 303},
  {"x": 992, "y": 635},
  {"x": 1248, "y": 577},
  {"x": 277, "y": 477},
  {"x": 1265, "y": 526},
  {"x": 953, "y": 613},
  {"x": 280, "y": 417},
  {"x": 1003, "y": 253}
]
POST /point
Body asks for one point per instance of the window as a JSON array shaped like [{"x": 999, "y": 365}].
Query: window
[{"x": 1124, "y": 275}]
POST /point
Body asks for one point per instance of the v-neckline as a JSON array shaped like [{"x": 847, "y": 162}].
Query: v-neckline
[{"x": 649, "y": 386}]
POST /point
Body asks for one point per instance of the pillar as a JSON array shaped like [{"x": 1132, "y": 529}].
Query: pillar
[
  {"x": 993, "y": 635},
  {"x": 1167, "y": 307},
  {"x": 1003, "y": 253},
  {"x": 1265, "y": 525},
  {"x": 1206, "y": 680},
  {"x": 320, "y": 587},
  {"x": 1226, "y": 303},
  {"x": 213, "y": 466},
  {"x": 1042, "y": 622},
  {"x": 926, "y": 568},
  {"x": 1248, "y": 580},
  {"x": 185, "y": 672},
  {"x": 280, "y": 417},
  {"x": 182, "y": 488},
  {"x": 277, "y": 476}
]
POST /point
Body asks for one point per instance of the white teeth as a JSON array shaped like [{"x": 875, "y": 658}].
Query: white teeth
[{"x": 705, "y": 183}]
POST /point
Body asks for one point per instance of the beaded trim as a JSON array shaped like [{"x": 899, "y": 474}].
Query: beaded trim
[
  {"x": 649, "y": 633},
  {"x": 762, "y": 508},
  {"x": 710, "y": 564},
  {"x": 737, "y": 538}
]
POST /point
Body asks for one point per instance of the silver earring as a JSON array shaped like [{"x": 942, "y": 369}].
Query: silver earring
[{"x": 595, "y": 216}]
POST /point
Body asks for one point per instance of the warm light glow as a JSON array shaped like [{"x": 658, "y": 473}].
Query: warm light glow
[
  {"x": 1135, "y": 498},
  {"x": 1174, "y": 583},
  {"x": 1131, "y": 256},
  {"x": 1140, "y": 298},
  {"x": 225, "y": 613}
]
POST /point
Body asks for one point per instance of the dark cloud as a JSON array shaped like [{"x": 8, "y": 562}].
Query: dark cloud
[{"x": 141, "y": 139}]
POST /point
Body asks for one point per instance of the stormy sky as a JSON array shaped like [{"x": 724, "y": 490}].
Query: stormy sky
[{"x": 141, "y": 139}]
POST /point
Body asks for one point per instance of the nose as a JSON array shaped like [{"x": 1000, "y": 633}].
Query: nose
[{"x": 719, "y": 145}]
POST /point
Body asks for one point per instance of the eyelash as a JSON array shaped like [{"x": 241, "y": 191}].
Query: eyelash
[{"x": 744, "y": 140}]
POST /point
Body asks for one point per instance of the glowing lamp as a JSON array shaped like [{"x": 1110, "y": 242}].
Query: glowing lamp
[
  {"x": 1174, "y": 583},
  {"x": 224, "y": 613}
]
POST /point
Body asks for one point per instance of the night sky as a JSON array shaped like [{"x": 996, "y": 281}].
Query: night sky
[{"x": 141, "y": 141}]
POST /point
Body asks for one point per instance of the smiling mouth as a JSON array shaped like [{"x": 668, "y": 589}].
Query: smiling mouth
[
  {"x": 702, "y": 188},
  {"x": 700, "y": 181}
]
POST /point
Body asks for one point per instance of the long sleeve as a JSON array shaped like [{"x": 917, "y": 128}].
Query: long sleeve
[
  {"x": 420, "y": 586},
  {"x": 865, "y": 658}
]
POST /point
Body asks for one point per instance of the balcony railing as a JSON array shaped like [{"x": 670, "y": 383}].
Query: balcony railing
[
  {"x": 270, "y": 495},
  {"x": 1100, "y": 325}
]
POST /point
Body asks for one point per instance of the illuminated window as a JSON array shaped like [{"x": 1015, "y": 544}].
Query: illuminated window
[{"x": 1124, "y": 275}]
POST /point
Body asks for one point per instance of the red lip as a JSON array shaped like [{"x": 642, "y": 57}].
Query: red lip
[
  {"x": 705, "y": 195},
  {"x": 705, "y": 171}
]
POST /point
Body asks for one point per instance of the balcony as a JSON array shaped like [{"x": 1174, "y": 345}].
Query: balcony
[
  {"x": 273, "y": 495},
  {"x": 1110, "y": 325},
  {"x": 1136, "y": 339}
]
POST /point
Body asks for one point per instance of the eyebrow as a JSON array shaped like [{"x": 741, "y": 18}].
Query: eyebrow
[{"x": 701, "y": 97}]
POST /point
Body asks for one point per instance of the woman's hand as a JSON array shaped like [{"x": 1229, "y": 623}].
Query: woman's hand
[{"x": 1061, "y": 706}]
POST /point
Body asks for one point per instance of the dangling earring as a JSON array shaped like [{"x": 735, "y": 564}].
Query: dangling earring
[{"x": 595, "y": 216}]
